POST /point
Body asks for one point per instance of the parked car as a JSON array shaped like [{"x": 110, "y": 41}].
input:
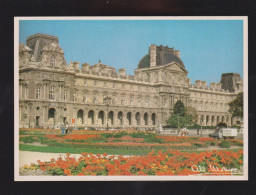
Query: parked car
[{"x": 226, "y": 133}]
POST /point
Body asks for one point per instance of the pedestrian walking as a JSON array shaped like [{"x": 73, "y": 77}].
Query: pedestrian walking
[{"x": 67, "y": 128}]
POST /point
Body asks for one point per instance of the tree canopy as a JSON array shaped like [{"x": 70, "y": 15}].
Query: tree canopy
[
  {"x": 179, "y": 108},
  {"x": 182, "y": 116},
  {"x": 236, "y": 106}
]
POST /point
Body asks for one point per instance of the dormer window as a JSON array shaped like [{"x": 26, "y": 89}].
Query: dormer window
[{"x": 53, "y": 61}]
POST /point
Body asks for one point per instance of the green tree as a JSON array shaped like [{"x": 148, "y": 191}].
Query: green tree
[
  {"x": 236, "y": 106},
  {"x": 179, "y": 118},
  {"x": 179, "y": 108},
  {"x": 178, "y": 121},
  {"x": 190, "y": 111}
]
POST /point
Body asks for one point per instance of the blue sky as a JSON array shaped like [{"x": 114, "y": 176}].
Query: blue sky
[{"x": 208, "y": 48}]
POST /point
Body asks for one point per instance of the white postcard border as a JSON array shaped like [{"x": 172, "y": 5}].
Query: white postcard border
[{"x": 17, "y": 177}]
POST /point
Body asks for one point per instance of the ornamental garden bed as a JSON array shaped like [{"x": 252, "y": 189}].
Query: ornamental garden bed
[
  {"x": 121, "y": 140},
  {"x": 171, "y": 162}
]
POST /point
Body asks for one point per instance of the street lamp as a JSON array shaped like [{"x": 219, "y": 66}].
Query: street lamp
[
  {"x": 107, "y": 102},
  {"x": 178, "y": 121},
  {"x": 201, "y": 123},
  {"x": 30, "y": 107}
]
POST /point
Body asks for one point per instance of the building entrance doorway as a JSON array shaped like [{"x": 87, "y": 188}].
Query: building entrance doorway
[
  {"x": 64, "y": 120},
  {"x": 37, "y": 121},
  {"x": 51, "y": 116}
]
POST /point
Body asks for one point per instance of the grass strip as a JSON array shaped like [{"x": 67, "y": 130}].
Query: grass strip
[{"x": 50, "y": 149}]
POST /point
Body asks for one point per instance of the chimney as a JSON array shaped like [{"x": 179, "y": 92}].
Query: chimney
[
  {"x": 152, "y": 54},
  {"x": 85, "y": 67},
  {"x": 76, "y": 65},
  {"x": 204, "y": 84},
  {"x": 122, "y": 72},
  {"x": 213, "y": 85},
  {"x": 177, "y": 53},
  {"x": 198, "y": 83}
]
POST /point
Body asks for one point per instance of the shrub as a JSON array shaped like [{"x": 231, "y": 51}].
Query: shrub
[
  {"x": 29, "y": 139},
  {"x": 213, "y": 143},
  {"x": 198, "y": 144},
  {"x": 225, "y": 144},
  {"x": 222, "y": 125},
  {"x": 195, "y": 126}
]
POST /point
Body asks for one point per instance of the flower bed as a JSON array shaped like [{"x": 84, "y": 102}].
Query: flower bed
[
  {"x": 169, "y": 163},
  {"x": 126, "y": 139}
]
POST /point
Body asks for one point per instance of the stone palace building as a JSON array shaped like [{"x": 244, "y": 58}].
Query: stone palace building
[{"x": 52, "y": 92}]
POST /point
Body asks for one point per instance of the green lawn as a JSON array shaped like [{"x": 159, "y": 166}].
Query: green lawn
[{"x": 50, "y": 149}]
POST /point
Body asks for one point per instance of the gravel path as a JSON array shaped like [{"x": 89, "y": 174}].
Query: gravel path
[{"x": 26, "y": 157}]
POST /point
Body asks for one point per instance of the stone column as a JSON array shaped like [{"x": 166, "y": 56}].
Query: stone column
[
  {"x": 20, "y": 91},
  {"x": 96, "y": 117},
  {"x": 150, "y": 119},
  {"x": 85, "y": 117},
  {"x": 204, "y": 121},
  {"x": 132, "y": 118},
  {"x": 105, "y": 119},
  {"x": 59, "y": 92},
  {"x": 114, "y": 118},
  {"x": 125, "y": 121}
]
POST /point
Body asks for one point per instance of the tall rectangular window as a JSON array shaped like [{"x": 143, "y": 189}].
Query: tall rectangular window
[
  {"x": 147, "y": 102},
  {"x": 52, "y": 61},
  {"x": 131, "y": 101},
  {"x": 75, "y": 96},
  {"x": 38, "y": 93},
  {"x": 95, "y": 98},
  {"x": 122, "y": 101},
  {"x": 65, "y": 95},
  {"x": 39, "y": 76},
  {"x": 139, "y": 101},
  {"x": 26, "y": 93},
  {"x": 85, "y": 98},
  {"x": 52, "y": 93}
]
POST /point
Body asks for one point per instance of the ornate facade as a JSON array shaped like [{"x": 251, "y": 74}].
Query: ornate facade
[{"x": 52, "y": 92}]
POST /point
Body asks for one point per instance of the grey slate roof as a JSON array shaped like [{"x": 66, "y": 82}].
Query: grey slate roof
[{"x": 162, "y": 58}]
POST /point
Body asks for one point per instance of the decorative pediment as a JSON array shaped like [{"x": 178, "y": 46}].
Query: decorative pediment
[
  {"x": 176, "y": 67},
  {"x": 53, "y": 47}
]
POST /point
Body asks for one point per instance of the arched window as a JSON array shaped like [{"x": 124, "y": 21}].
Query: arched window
[
  {"x": 38, "y": 93},
  {"x": 52, "y": 61},
  {"x": 52, "y": 93}
]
